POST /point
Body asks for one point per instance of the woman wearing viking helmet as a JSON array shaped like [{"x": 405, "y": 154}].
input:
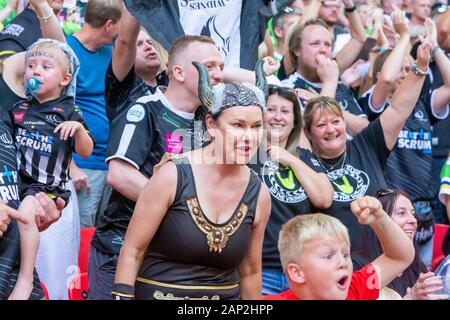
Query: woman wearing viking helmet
[{"x": 198, "y": 226}]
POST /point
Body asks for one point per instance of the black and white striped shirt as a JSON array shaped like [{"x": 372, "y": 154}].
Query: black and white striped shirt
[
  {"x": 9, "y": 191},
  {"x": 9, "y": 179},
  {"x": 41, "y": 154}
]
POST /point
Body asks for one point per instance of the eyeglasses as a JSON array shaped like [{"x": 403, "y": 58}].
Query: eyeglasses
[{"x": 384, "y": 192}]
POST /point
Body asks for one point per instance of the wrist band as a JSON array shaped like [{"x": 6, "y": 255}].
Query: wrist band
[
  {"x": 351, "y": 9},
  {"x": 122, "y": 291},
  {"x": 45, "y": 18},
  {"x": 434, "y": 49},
  {"x": 417, "y": 71}
]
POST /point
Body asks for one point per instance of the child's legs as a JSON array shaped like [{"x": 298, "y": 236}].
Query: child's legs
[{"x": 29, "y": 240}]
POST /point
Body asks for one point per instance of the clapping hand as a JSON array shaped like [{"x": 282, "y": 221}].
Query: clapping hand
[
  {"x": 431, "y": 33},
  {"x": 423, "y": 55},
  {"x": 400, "y": 23}
]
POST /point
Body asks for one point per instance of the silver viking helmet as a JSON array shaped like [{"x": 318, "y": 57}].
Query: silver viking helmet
[{"x": 223, "y": 96}]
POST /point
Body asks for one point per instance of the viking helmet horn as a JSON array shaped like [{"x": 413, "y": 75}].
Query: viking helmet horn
[
  {"x": 261, "y": 81},
  {"x": 205, "y": 89}
]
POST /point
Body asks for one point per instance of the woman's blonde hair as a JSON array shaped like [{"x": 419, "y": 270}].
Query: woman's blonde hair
[
  {"x": 300, "y": 230},
  {"x": 323, "y": 105}
]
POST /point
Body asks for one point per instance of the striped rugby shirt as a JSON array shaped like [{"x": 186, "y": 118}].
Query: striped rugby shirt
[{"x": 41, "y": 154}]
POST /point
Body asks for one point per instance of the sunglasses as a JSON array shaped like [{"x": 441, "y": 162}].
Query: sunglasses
[
  {"x": 274, "y": 88},
  {"x": 384, "y": 192},
  {"x": 286, "y": 10}
]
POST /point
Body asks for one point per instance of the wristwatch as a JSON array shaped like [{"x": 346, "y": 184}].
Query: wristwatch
[{"x": 351, "y": 9}]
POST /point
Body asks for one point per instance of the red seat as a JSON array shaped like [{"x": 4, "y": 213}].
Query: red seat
[
  {"x": 438, "y": 256},
  {"x": 78, "y": 287},
  {"x": 44, "y": 289},
  {"x": 86, "y": 235}
]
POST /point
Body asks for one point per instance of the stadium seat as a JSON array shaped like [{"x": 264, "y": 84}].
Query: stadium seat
[
  {"x": 86, "y": 235},
  {"x": 44, "y": 289},
  {"x": 78, "y": 287},
  {"x": 438, "y": 256}
]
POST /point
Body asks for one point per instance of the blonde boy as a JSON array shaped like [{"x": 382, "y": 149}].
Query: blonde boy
[
  {"x": 315, "y": 255},
  {"x": 47, "y": 128}
]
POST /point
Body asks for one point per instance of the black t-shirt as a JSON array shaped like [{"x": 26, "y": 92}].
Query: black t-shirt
[
  {"x": 43, "y": 155},
  {"x": 8, "y": 97},
  {"x": 119, "y": 95},
  {"x": 410, "y": 162},
  {"x": 343, "y": 94},
  {"x": 441, "y": 130},
  {"x": 289, "y": 199},
  {"x": 365, "y": 101},
  {"x": 356, "y": 173},
  {"x": 9, "y": 179},
  {"x": 20, "y": 33},
  {"x": 141, "y": 136},
  {"x": 281, "y": 73}
]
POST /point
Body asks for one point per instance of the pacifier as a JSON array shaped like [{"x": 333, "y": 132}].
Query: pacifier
[{"x": 32, "y": 88}]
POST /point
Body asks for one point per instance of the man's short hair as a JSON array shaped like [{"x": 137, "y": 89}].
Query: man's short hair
[
  {"x": 300, "y": 230},
  {"x": 297, "y": 37},
  {"x": 181, "y": 44},
  {"x": 98, "y": 12}
]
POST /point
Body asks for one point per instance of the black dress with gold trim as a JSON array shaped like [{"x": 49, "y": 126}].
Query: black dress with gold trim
[{"x": 191, "y": 257}]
